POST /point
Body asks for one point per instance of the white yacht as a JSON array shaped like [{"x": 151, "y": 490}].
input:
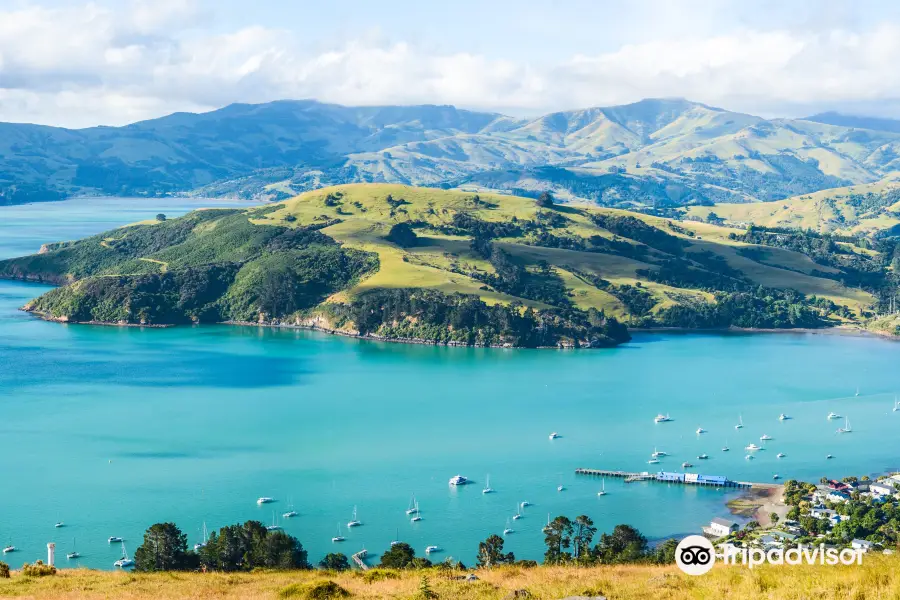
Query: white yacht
[
  {"x": 846, "y": 428},
  {"x": 507, "y": 530},
  {"x": 833, "y": 415},
  {"x": 602, "y": 491},
  {"x": 780, "y": 455},
  {"x": 749, "y": 457},
  {"x": 431, "y": 549},
  {"x": 857, "y": 391},
  {"x": 700, "y": 430},
  {"x": 524, "y": 503},
  {"x": 740, "y": 424},
  {"x": 264, "y": 500},
  {"x": 686, "y": 465},
  {"x": 354, "y": 522},
  {"x": 59, "y": 524},
  {"x": 546, "y": 527},
  {"x": 413, "y": 506},
  {"x": 725, "y": 448},
  {"x": 9, "y": 548},
  {"x": 113, "y": 539},
  {"x": 458, "y": 480},
  {"x": 703, "y": 456},
  {"x": 829, "y": 457},
  {"x": 418, "y": 516},
  {"x": 653, "y": 461},
  {"x": 202, "y": 544},
  {"x": 74, "y": 553},
  {"x": 765, "y": 437},
  {"x": 338, "y": 537},
  {"x": 752, "y": 447},
  {"x": 783, "y": 417},
  {"x": 662, "y": 418},
  {"x": 487, "y": 486},
  {"x": 658, "y": 453},
  {"x": 560, "y": 488},
  {"x": 124, "y": 562},
  {"x": 776, "y": 476},
  {"x": 274, "y": 526},
  {"x": 554, "y": 435},
  {"x": 518, "y": 514},
  {"x": 289, "y": 514},
  {"x": 896, "y": 405}
]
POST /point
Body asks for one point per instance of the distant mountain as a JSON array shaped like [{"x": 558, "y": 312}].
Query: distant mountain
[
  {"x": 655, "y": 153},
  {"x": 856, "y": 122}
]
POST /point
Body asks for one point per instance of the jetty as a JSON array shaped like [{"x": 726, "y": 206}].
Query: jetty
[
  {"x": 358, "y": 559},
  {"x": 718, "y": 481}
]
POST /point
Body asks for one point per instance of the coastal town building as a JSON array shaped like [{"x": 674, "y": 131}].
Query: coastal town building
[
  {"x": 863, "y": 545},
  {"x": 719, "y": 527}
]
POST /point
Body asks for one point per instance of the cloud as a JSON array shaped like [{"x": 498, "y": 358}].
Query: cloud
[{"x": 91, "y": 64}]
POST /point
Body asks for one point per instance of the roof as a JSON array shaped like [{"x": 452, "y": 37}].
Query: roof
[
  {"x": 723, "y": 522},
  {"x": 866, "y": 543}
]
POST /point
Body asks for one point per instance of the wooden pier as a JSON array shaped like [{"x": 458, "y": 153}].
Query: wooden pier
[
  {"x": 358, "y": 559},
  {"x": 631, "y": 477}
]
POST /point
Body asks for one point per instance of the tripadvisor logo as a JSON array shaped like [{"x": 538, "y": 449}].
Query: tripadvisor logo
[{"x": 696, "y": 555}]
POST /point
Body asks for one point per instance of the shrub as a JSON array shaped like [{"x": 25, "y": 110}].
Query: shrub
[
  {"x": 4, "y": 570},
  {"x": 38, "y": 569},
  {"x": 322, "y": 590}
]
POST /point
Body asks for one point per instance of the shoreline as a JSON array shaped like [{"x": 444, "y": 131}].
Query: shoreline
[
  {"x": 841, "y": 330},
  {"x": 759, "y": 504}
]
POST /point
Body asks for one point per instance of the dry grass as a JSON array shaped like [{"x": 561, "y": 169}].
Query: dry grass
[{"x": 877, "y": 578}]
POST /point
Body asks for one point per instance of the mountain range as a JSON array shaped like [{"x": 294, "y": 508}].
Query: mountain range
[{"x": 656, "y": 153}]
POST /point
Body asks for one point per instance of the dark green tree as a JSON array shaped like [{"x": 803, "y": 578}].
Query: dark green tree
[
  {"x": 403, "y": 235},
  {"x": 583, "y": 531},
  {"x": 490, "y": 553},
  {"x": 399, "y": 556},
  {"x": 664, "y": 553},
  {"x": 160, "y": 217},
  {"x": 558, "y": 538},
  {"x": 624, "y": 544},
  {"x": 545, "y": 200},
  {"x": 164, "y": 549},
  {"x": 335, "y": 561}
]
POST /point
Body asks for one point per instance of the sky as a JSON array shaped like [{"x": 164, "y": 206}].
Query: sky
[{"x": 111, "y": 62}]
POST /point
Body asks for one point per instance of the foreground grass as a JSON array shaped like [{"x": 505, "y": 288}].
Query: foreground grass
[{"x": 878, "y": 577}]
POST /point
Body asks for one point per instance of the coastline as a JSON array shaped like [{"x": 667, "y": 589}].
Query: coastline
[{"x": 759, "y": 504}]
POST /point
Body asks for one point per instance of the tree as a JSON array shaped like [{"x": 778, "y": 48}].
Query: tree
[
  {"x": 403, "y": 235},
  {"x": 399, "y": 556},
  {"x": 490, "y": 553},
  {"x": 164, "y": 549},
  {"x": 334, "y": 561},
  {"x": 665, "y": 552},
  {"x": 558, "y": 538},
  {"x": 583, "y": 531},
  {"x": 248, "y": 546},
  {"x": 545, "y": 200},
  {"x": 774, "y": 518},
  {"x": 624, "y": 544},
  {"x": 160, "y": 217},
  {"x": 278, "y": 293},
  {"x": 278, "y": 550},
  {"x": 4, "y": 570},
  {"x": 425, "y": 591}
]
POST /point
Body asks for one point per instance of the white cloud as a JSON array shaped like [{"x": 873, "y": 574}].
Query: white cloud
[{"x": 83, "y": 65}]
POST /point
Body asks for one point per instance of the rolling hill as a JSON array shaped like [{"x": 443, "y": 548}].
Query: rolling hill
[
  {"x": 656, "y": 153},
  {"x": 444, "y": 266}
]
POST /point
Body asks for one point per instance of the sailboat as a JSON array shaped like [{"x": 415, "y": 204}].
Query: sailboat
[
  {"x": 740, "y": 424},
  {"x": 9, "y": 548},
  {"x": 602, "y": 491},
  {"x": 857, "y": 391},
  {"x": 417, "y": 517},
  {"x": 508, "y": 529},
  {"x": 547, "y": 526},
  {"x": 896, "y": 404},
  {"x": 518, "y": 514},
  {"x": 338, "y": 537},
  {"x": 354, "y": 522},
  {"x": 725, "y": 448},
  {"x": 560, "y": 487},
  {"x": 202, "y": 543},
  {"x": 658, "y": 453},
  {"x": 412, "y": 506},
  {"x": 487, "y": 485},
  {"x": 846, "y": 428},
  {"x": 396, "y": 539},
  {"x": 74, "y": 553},
  {"x": 59, "y": 523},
  {"x": 274, "y": 526},
  {"x": 290, "y": 513},
  {"x": 124, "y": 562}
]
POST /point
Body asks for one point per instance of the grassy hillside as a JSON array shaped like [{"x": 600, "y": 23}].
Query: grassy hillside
[
  {"x": 441, "y": 265},
  {"x": 859, "y": 209},
  {"x": 877, "y": 577}
]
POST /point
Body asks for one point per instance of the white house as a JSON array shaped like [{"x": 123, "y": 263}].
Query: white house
[
  {"x": 719, "y": 527},
  {"x": 822, "y": 513},
  {"x": 863, "y": 545},
  {"x": 835, "y": 519},
  {"x": 882, "y": 488}
]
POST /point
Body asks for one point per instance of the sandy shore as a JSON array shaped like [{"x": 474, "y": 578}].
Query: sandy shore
[{"x": 759, "y": 505}]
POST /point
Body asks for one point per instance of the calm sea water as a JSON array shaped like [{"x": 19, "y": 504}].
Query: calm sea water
[{"x": 112, "y": 429}]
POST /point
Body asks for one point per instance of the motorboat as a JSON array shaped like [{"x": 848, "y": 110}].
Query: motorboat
[
  {"x": 264, "y": 500},
  {"x": 661, "y": 418},
  {"x": 458, "y": 480}
]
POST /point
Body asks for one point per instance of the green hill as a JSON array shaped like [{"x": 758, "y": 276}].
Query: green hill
[{"x": 444, "y": 266}]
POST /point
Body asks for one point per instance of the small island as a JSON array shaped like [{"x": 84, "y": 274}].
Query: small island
[{"x": 435, "y": 266}]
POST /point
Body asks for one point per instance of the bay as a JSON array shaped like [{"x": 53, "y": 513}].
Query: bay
[{"x": 112, "y": 429}]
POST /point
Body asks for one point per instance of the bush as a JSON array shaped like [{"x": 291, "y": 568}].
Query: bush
[
  {"x": 4, "y": 570},
  {"x": 322, "y": 590},
  {"x": 38, "y": 569}
]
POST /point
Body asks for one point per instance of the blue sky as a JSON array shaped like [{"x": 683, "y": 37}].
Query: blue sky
[{"x": 79, "y": 63}]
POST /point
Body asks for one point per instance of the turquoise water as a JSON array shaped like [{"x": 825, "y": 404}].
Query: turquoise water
[{"x": 113, "y": 429}]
